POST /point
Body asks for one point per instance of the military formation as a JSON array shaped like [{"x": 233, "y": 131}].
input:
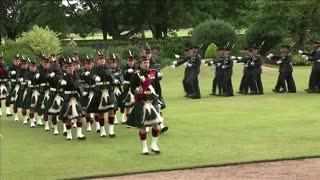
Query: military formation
[
  {"x": 63, "y": 90},
  {"x": 251, "y": 82}
]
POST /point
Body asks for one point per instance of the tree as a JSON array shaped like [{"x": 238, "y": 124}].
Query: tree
[{"x": 296, "y": 17}]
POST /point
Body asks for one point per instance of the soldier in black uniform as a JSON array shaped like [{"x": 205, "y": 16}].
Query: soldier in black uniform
[
  {"x": 193, "y": 82},
  {"x": 217, "y": 80},
  {"x": 103, "y": 99},
  {"x": 243, "y": 82},
  {"x": 54, "y": 104},
  {"x": 314, "y": 80},
  {"x": 227, "y": 66},
  {"x": 88, "y": 84},
  {"x": 13, "y": 71},
  {"x": 187, "y": 71},
  {"x": 31, "y": 93},
  {"x": 285, "y": 71},
  {"x": 71, "y": 108},
  {"x": 146, "y": 87},
  {"x": 3, "y": 81},
  {"x": 42, "y": 80},
  {"x": 22, "y": 87},
  {"x": 257, "y": 63},
  {"x": 126, "y": 99}
]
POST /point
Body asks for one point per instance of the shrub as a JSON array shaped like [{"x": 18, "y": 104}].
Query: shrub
[
  {"x": 298, "y": 60},
  {"x": 83, "y": 51},
  {"x": 41, "y": 40},
  {"x": 216, "y": 31},
  {"x": 211, "y": 51},
  {"x": 11, "y": 48}
]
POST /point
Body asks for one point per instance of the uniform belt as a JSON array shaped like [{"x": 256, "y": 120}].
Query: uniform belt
[
  {"x": 103, "y": 83},
  {"x": 126, "y": 82},
  {"x": 88, "y": 86},
  {"x": 44, "y": 84},
  {"x": 32, "y": 86},
  {"x": 23, "y": 83},
  {"x": 54, "y": 89},
  {"x": 3, "y": 80},
  {"x": 70, "y": 92},
  {"x": 13, "y": 80}
]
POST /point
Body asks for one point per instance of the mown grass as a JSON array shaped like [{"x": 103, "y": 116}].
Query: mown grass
[{"x": 211, "y": 130}]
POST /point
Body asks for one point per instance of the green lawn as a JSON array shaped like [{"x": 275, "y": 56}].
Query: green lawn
[{"x": 211, "y": 130}]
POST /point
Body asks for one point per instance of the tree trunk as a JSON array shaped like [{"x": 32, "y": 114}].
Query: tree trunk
[{"x": 104, "y": 34}]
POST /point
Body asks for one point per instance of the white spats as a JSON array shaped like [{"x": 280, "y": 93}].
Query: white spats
[
  {"x": 145, "y": 150},
  {"x": 15, "y": 117},
  {"x": 46, "y": 126},
  {"x": 64, "y": 128},
  {"x": 79, "y": 134},
  {"x": 116, "y": 120},
  {"x": 32, "y": 122},
  {"x": 102, "y": 132},
  {"x": 24, "y": 118},
  {"x": 97, "y": 126},
  {"x": 39, "y": 121},
  {"x": 8, "y": 111},
  {"x": 154, "y": 146},
  {"x": 111, "y": 130},
  {"x": 55, "y": 130},
  {"x": 123, "y": 118},
  {"x": 88, "y": 124},
  {"x": 69, "y": 134},
  {"x": 0, "y": 112}
]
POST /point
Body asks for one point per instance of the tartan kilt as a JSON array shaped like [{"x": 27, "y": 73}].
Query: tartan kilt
[
  {"x": 13, "y": 93},
  {"x": 20, "y": 98},
  {"x": 71, "y": 109},
  {"x": 27, "y": 100},
  {"x": 102, "y": 101},
  {"x": 3, "y": 91},
  {"x": 144, "y": 114},
  {"x": 42, "y": 101},
  {"x": 84, "y": 100},
  {"x": 126, "y": 99},
  {"x": 54, "y": 104}
]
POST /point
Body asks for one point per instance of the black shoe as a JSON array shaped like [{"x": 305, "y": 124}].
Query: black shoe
[
  {"x": 212, "y": 94},
  {"x": 195, "y": 97},
  {"x": 9, "y": 115},
  {"x": 112, "y": 135},
  {"x": 82, "y": 138},
  {"x": 146, "y": 153},
  {"x": 239, "y": 92},
  {"x": 164, "y": 129},
  {"x": 291, "y": 92},
  {"x": 64, "y": 133},
  {"x": 261, "y": 93},
  {"x": 98, "y": 131},
  {"x": 157, "y": 152},
  {"x": 273, "y": 90}
]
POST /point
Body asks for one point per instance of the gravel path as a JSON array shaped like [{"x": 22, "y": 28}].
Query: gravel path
[{"x": 293, "y": 169}]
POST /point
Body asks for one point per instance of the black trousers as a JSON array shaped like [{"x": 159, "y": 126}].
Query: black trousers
[{"x": 283, "y": 78}]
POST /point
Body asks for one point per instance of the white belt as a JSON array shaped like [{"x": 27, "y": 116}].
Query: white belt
[
  {"x": 44, "y": 84},
  {"x": 32, "y": 86},
  {"x": 126, "y": 82},
  {"x": 70, "y": 92}
]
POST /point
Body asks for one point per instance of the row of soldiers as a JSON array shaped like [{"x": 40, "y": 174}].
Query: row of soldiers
[
  {"x": 251, "y": 82},
  {"x": 63, "y": 90}
]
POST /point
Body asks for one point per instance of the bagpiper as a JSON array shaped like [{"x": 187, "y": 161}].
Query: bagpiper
[
  {"x": 126, "y": 99},
  {"x": 31, "y": 93},
  {"x": 87, "y": 77},
  {"x": 44, "y": 90},
  {"x": 71, "y": 107},
  {"x": 145, "y": 86},
  {"x": 3, "y": 81},
  {"x": 20, "y": 91},
  {"x": 103, "y": 99},
  {"x": 14, "y": 86},
  {"x": 54, "y": 103}
]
